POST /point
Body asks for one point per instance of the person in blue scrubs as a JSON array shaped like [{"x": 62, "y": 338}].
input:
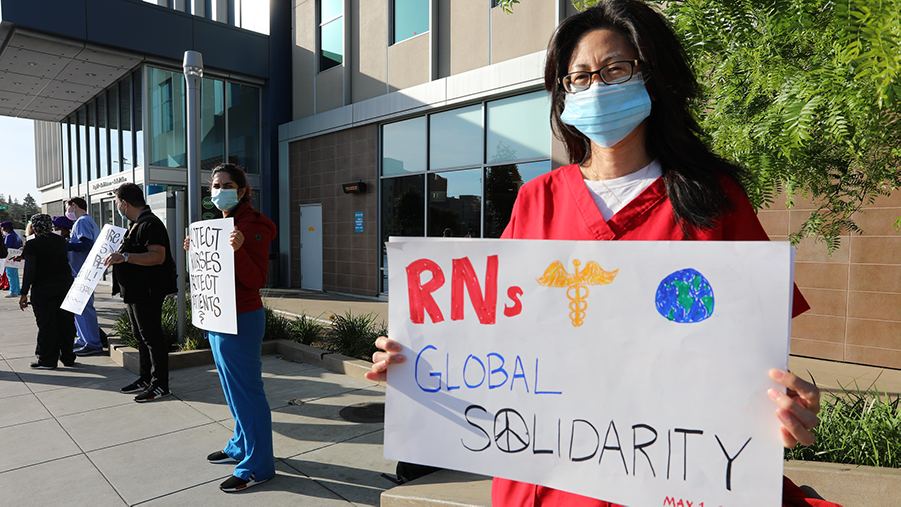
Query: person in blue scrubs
[{"x": 84, "y": 233}]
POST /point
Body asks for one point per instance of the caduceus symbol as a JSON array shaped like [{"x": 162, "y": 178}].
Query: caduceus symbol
[{"x": 577, "y": 284}]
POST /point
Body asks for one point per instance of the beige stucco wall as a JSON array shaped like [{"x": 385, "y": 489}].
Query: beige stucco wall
[
  {"x": 368, "y": 49},
  {"x": 527, "y": 30},
  {"x": 303, "y": 52},
  {"x": 408, "y": 62},
  {"x": 463, "y": 35},
  {"x": 330, "y": 89}
]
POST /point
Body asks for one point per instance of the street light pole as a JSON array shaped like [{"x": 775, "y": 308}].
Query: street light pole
[{"x": 193, "y": 66}]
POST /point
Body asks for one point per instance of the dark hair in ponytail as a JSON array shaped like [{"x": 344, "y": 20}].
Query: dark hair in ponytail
[{"x": 674, "y": 137}]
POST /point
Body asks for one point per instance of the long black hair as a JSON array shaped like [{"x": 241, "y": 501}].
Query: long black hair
[{"x": 673, "y": 135}]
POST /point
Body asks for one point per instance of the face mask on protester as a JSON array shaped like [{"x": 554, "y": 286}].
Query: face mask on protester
[
  {"x": 224, "y": 198},
  {"x": 71, "y": 216},
  {"x": 121, "y": 213},
  {"x": 606, "y": 114},
  {"x": 58, "y": 232}
]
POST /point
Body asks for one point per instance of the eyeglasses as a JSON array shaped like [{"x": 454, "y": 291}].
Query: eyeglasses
[{"x": 612, "y": 73}]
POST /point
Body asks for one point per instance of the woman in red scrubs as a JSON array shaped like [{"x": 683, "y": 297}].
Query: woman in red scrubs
[{"x": 621, "y": 90}]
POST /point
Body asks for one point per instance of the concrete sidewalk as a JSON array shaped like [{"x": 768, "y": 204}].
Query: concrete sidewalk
[{"x": 70, "y": 438}]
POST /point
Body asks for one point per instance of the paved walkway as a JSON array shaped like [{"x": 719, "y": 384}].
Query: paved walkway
[{"x": 68, "y": 436}]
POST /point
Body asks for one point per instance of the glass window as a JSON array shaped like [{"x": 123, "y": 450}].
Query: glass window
[
  {"x": 403, "y": 146},
  {"x": 518, "y": 128},
  {"x": 103, "y": 138},
  {"x": 502, "y": 184},
  {"x": 91, "y": 120},
  {"x": 331, "y": 34},
  {"x": 411, "y": 17},
  {"x": 244, "y": 126},
  {"x": 82, "y": 148},
  {"x": 455, "y": 204},
  {"x": 125, "y": 123},
  {"x": 66, "y": 152},
  {"x": 166, "y": 90},
  {"x": 455, "y": 138},
  {"x": 402, "y": 211},
  {"x": 112, "y": 103},
  {"x": 138, "y": 119},
  {"x": 212, "y": 123}
]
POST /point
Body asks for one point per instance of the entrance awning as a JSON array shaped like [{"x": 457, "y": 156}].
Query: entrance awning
[{"x": 47, "y": 78}]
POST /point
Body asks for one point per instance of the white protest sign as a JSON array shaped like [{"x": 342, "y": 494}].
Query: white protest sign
[
  {"x": 13, "y": 252},
  {"x": 629, "y": 371},
  {"x": 86, "y": 281},
  {"x": 212, "y": 270}
]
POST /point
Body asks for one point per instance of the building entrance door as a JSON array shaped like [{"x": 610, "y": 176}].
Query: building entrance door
[{"x": 311, "y": 246}]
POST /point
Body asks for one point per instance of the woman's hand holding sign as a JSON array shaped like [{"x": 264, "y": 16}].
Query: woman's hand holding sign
[
  {"x": 389, "y": 352},
  {"x": 797, "y": 410}
]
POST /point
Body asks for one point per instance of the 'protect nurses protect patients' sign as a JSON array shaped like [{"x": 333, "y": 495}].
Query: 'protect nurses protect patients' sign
[
  {"x": 86, "y": 280},
  {"x": 212, "y": 271},
  {"x": 630, "y": 371}
]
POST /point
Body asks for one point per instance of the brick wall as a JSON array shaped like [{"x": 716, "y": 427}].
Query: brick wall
[
  {"x": 318, "y": 167},
  {"x": 854, "y": 294}
]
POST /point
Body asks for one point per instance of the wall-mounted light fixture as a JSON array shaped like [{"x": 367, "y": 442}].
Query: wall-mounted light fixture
[{"x": 354, "y": 188}]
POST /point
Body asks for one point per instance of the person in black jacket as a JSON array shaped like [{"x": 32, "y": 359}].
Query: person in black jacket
[
  {"x": 48, "y": 278},
  {"x": 144, "y": 273}
]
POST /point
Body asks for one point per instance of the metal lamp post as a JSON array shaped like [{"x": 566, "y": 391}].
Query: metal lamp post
[{"x": 193, "y": 66}]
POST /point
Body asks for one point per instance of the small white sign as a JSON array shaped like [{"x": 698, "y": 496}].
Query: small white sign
[
  {"x": 86, "y": 281},
  {"x": 212, "y": 270},
  {"x": 634, "y": 372},
  {"x": 13, "y": 252}
]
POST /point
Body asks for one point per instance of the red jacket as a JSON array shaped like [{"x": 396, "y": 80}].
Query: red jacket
[
  {"x": 252, "y": 259},
  {"x": 557, "y": 205}
]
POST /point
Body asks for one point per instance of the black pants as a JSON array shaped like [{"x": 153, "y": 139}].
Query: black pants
[
  {"x": 56, "y": 329},
  {"x": 153, "y": 351}
]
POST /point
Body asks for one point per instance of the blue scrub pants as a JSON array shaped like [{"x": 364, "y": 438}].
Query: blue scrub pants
[
  {"x": 240, "y": 368},
  {"x": 86, "y": 324},
  {"x": 13, "y": 275}
]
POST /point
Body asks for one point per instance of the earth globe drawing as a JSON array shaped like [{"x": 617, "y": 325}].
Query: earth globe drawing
[{"x": 685, "y": 297}]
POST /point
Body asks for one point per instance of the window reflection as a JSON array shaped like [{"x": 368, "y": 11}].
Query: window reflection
[
  {"x": 502, "y": 184},
  {"x": 411, "y": 18},
  {"x": 125, "y": 123},
  {"x": 244, "y": 126},
  {"x": 166, "y": 90},
  {"x": 212, "y": 123},
  {"x": 403, "y": 212},
  {"x": 455, "y": 204},
  {"x": 518, "y": 128},
  {"x": 403, "y": 146},
  {"x": 455, "y": 138},
  {"x": 113, "y": 105},
  {"x": 331, "y": 34}
]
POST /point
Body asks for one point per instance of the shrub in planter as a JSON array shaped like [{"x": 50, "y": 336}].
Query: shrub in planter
[
  {"x": 354, "y": 335},
  {"x": 858, "y": 428},
  {"x": 278, "y": 327},
  {"x": 307, "y": 330}
]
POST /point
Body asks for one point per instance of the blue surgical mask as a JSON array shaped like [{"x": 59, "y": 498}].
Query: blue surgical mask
[
  {"x": 121, "y": 213},
  {"x": 606, "y": 114},
  {"x": 225, "y": 198}
]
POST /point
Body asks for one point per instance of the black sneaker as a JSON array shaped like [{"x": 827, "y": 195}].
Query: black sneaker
[
  {"x": 87, "y": 351},
  {"x": 135, "y": 387},
  {"x": 219, "y": 457},
  {"x": 152, "y": 393},
  {"x": 234, "y": 484},
  {"x": 39, "y": 366}
]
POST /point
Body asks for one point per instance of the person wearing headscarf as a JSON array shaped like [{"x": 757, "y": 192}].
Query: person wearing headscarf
[
  {"x": 11, "y": 240},
  {"x": 48, "y": 278}
]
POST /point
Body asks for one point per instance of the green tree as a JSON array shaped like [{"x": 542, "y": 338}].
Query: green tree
[{"x": 804, "y": 93}]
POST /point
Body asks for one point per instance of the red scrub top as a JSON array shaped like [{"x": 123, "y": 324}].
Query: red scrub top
[{"x": 557, "y": 205}]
